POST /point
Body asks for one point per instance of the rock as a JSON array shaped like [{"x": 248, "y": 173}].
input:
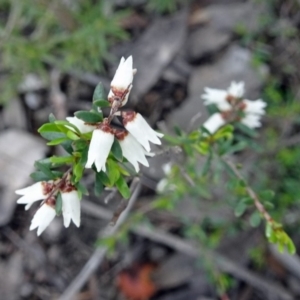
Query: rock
[
  {"x": 31, "y": 82},
  {"x": 18, "y": 152},
  {"x": 155, "y": 50},
  {"x": 11, "y": 277},
  {"x": 234, "y": 64},
  {"x": 222, "y": 21},
  {"x": 175, "y": 271},
  {"x": 177, "y": 71},
  {"x": 204, "y": 41},
  {"x": 226, "y": 17},
  {"x": 14, "y": 115}
]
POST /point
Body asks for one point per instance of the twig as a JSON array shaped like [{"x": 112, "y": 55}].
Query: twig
[
  {"x": 222, "y": 262},
  {"x": 57, "y": 186},
  {"x": 183, "y": 246},
  {"x": 99, "y": 254},
  {"x": 260, "y": 207}
]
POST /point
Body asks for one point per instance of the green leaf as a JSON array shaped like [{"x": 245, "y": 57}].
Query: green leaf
[
  {"x": 80, "y": 144},
  {"x": 98, "y": 92},
  {"x": 255, "y": 219},
  {"x": 48, "y": 127},
  {"x": 45, "y": 161},
  {"x": 104, "y": 178},
  {"x": 267, "y": 195},
  {"x": 84, "y": 156},
  {"x": 240, "y": 209},
  {"x": 247, "y": 200},
  {"x": 102, "y": 103},
  {"x": 112, "y": 171},
  {"x": 291, "y": 247},
  {"x": 117, "y": 151},
  {"x": 207, "y": 165},
  {"x": 49, "y": 135},
  {"x": 67, "y": 145},
  {"x": 44, "y": 168},
  {"x": 58, "y": 204},
  {"x": 98, "y": 188},
  {"x": 72, "y": 135},
  {"x": 56, "y": 142},
  {"x": 78, "y": 171},
  {"x": 269, "y": 230},
  {"x": 245, "y": 129},
  {"x": 40, "y": 176},
  {"x": 52, "y": 118},
  {"x": 61, "y": 159},
  {"x": 123, "y": 187},
  {"x": 67, "y": 123},
  {"x": 82, "y": 190},
  {"x": 88, "y": 116}
]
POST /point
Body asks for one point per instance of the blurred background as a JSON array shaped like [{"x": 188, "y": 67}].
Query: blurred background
[{"x": 52, "y": 55}]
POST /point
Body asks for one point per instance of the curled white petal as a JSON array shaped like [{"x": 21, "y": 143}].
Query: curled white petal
[
  {"x": 124, "y": 74},
  {"x": 99, "y": 149},
  {"x": 217, "y": 97},
  {"x": 81, "y": 125},
  {"x": 214, "y": 123},
  {"x": 251, "y": 120},
  {"x": 255, "y": 107},
  {"x": 42, "y": 218},
  {"x": 133, "y": 151},
  {"x": 71, "y": 208},
  {"x": 31, "y": 194},
  {"x": 236, "y": 89},
  {"x": 142, "y": 131}
]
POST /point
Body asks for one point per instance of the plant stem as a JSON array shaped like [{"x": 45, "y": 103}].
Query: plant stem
[
  {"x": 57, "y": 186},
  {"x": 260, "y": 207}
]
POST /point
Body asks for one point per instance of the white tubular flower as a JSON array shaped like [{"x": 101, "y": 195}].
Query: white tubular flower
[
  {"x": 33, "y": 193},
  {"x": 140, "y": 129},
  {"x": 217, "y": 97},
  {"x": 42, "y": 218},
  {"x": 122, "y": 82},
  {"x": 81, "y": 125},
  {"x": 251, "y": 120},
  {"x": 254, "y": 107},
  {"x": 236, "y": 89},
  {"x": 101, "y": 142},
  {"x": 214, "y": 122},
  {"x": 70, "y": 207},
  {"x": 132, "y": 150}
]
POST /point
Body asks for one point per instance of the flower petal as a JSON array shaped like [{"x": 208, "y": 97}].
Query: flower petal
[
  {"x": 141, "y": 130},
  {"x": 251, "y": 120},
  {"x": 214, "y": 123},
  {"x": 32, "y": 193},
  {"x": 217, "y": 97},
  {"x": 124, "y": 74},
  {"x": 71, "y": 208},
  {"x": 42, "y": 218},
  {"x": 133, "y": 151},
  {"x": 236, "y": 89},
  {"x": 99, "y": 149},
  {"x": 255, "y": 107},
  {"x": 81, "y": 125}
]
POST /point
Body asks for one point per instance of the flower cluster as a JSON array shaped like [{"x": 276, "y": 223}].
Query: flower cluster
[
  {"x": 134, "y": 140},
  {"x": 232, "y": 107},
  {"x": 48, "y": 192}
]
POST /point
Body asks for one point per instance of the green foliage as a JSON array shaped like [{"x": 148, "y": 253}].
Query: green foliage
[
  {"x": 68, "y": 36},
  {"x": 165, "y": 6}
]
